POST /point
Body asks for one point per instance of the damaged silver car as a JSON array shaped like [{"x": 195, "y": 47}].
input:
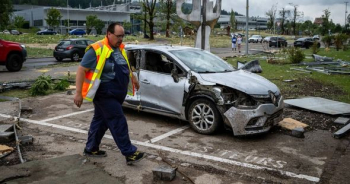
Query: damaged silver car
[{"x": 201, "y": 88}]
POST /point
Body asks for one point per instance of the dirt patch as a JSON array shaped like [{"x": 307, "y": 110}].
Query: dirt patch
[{"x": 311, "y": 87}]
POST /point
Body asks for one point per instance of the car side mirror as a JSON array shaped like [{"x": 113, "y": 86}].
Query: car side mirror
[{"x": 175, "y": 75}]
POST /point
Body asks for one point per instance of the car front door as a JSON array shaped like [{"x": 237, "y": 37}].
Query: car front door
[
  {"x": 158, "y": 89},
  {"x": 134, "y": 57}
]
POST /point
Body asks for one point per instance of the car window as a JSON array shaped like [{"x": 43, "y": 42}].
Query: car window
[
  {"x": 160, "y": 63},
  {"x": 202, "y": 61},
  {"x": 80, "y": 42},
  {"x": 64, "y": 43},
  {"x": 89, "y": 42}
]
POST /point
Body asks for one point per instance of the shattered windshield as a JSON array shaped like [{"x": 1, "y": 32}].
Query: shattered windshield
[{"x": 202, "y": 61}]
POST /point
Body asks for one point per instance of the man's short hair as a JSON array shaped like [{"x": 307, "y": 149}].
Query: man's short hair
[{"x": 112, "y": 26}]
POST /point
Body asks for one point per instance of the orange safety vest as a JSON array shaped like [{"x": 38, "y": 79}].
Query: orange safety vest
[{"x": 92, "y": 77}]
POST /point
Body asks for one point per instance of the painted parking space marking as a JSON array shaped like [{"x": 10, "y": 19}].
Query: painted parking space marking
[
  {"x": 163, "y": 136},
  {"x": 67, "y": 115},
  {"x": 188, "y": 153}
]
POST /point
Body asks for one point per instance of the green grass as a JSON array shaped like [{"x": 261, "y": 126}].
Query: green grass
[{"x": 38, "y": 52}]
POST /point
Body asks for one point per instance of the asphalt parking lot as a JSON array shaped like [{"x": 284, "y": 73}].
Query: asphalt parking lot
[{"x": 272, "y": 157}]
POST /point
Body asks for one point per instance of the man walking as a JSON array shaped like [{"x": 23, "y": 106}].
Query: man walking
[{"x": 104, "y": 77}]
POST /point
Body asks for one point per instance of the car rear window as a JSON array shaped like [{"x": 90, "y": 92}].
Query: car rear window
[{"x": 64, "y": 43}]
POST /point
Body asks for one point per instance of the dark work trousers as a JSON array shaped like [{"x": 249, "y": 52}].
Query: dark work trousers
[{"x": 109, "y": 115}]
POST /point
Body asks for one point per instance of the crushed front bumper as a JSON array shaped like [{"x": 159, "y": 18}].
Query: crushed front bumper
[{"x": 254, "y": 121}]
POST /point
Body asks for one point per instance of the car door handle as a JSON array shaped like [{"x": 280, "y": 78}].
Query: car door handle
[{"x": 145, "y": 81}]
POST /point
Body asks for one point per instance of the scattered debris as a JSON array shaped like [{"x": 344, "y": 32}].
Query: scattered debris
[
  {"x": 26, "y": 110},
  {"x": 6, "y": 133},
  {"x": 291, "y": 124},
  {"x": 5, "y": 150},
  {"x": 342, "y": 132},
  {"x": 252, "y": 66},
  {"x": 185, "y": 164},
  {"x": 320, "y": 105},
  {"x": 319, "y": 58},
  {"x": 342, "y": 121},
  {"x": 27, "y": 139},
  {"x": 15, "y": 85},
  {"x": 166, "y": 173},
  {"x": 288, "y": 80},
  {"x": 301, "y": 70},
  {"x": 298, "y": 132}
]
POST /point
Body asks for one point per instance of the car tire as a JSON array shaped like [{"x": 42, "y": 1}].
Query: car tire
[
  {"x": 14, "y": 63},
  {"x": 203, "y": 116},
  {"x": 75, "y": 56},
  {"x": 59, "y": 58}
]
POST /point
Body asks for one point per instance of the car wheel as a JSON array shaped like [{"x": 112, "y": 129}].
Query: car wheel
[
  {"x": 14, "y": 63},
  {"x": 75, "y": 56},
  {"x": 59, "y": 58},
  {"x": 203, "y": 116},
  {"x": 318, "y": 45}
]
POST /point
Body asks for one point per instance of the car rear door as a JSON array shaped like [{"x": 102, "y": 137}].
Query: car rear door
[
  {"x": 158, "y": 90},
  {"x": 80, "y": 45}
]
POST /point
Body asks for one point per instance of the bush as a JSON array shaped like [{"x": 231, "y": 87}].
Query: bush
[
  {"x": 41, "y": 85},
  {"x": 339, "y": 41},
  {"x": 327, "y": 40},
  {"x": 62, "y": 85},
  {"x": 314, "y": 48},
  {"x": 295, "y": 55}
]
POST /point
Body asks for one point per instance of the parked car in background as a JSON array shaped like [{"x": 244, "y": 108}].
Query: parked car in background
[
  {"x": 46, "y": 32},
  {"x": 77, "y": 32},
  {"x": 305, "y": 42},
  {"x": 255, "y": 39},
  {"x": 15, "y": 32},
  {"x": 277, "y": 41},
  {"x": 266, "y": 39},
  {"x": 244, "y": 102},
  {"x": 316, "y": 37},
  {"x": 71, "y": 48},
  {"x": 12, "y": 55},
  {"x": 6, "y": 32}
]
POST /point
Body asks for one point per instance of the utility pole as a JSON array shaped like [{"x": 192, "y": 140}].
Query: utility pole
[
  {"x": 68, "y": 17},
  {"x": 346, "y": 11},
  {"x": 246, "y": 29},
  {"x": 204, "y": 14}
]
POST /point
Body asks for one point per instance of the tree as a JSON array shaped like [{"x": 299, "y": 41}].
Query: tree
[
  {"x": 325, "y": 23},
  {"x": 337, "y": 28},
  {"x": 271, "y": 14},
  {"x": 53, "y": 17},
  {"x": 296, "y": 14},
  {"x": 127, "y": 25},
  {"x": 283, "y": 19},
  {"x": 5, "y": 13},
  {"x": 149, "y": 7},
  {"x": 19, "y": 21},
  {"x": 233, "y": 20},
  {"x": 90, "y": 22},
  {"x": 168, "y": 8},
  {"x": 99, "y": 25}
]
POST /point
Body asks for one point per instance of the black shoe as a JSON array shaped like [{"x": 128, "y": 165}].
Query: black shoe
[
  {"x": 136, "y": 157},
  {"x": 98, "y": 153}
]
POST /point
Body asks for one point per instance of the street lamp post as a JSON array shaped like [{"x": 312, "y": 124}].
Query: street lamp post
[
  {"x": 246, "y": 29},
  {"x": 346, "y": 11}
]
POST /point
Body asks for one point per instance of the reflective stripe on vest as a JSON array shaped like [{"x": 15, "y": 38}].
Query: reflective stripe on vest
[{"x": 92, "y": 77}]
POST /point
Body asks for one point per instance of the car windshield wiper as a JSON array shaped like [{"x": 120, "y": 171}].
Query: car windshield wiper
[{"x": 206, "y": 72}]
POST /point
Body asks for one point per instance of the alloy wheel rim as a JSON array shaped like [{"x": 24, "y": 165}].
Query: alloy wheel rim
[
  {"x": 76, "y": 57},
  {"x": 203, "y": 116}
]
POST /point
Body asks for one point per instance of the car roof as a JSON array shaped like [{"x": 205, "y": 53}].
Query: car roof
[
  {"x": 75, "y": 39},
  {"x": 164, "y": 48}
]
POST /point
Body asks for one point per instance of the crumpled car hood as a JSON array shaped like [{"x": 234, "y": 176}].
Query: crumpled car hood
[{"x": 241, "y": 80}]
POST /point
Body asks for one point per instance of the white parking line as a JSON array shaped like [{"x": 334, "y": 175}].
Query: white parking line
[
  {"x": 67, "y": 115},
  {"x": 188, "y": 153},
  {"x": 163, "y": 136}
]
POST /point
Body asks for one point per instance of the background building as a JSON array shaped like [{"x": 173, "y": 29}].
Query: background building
[
  {"x": 257, "y": 23},
  {"x": 36, "y": 15}
]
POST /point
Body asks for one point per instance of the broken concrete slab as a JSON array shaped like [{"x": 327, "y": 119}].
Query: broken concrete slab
[
  {"x": 291, "y": 124},
  {"x": 320, "y": 105},
  {"x": 165, "y": 173},
  {"x": 6, "y": 137},
  {"x": 67, "y": 169},
  {"x": 298, "y": 132},
  {"x": 342, "y": 132},
  {"x": 342, "y": 121}
]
